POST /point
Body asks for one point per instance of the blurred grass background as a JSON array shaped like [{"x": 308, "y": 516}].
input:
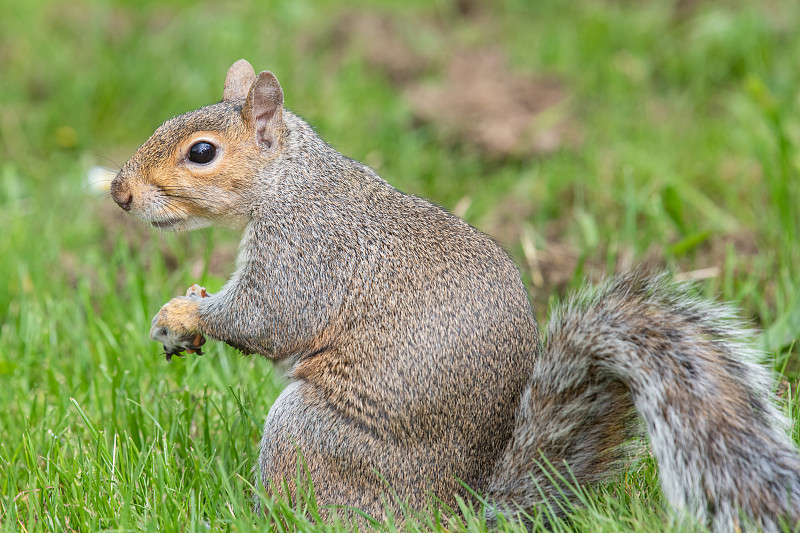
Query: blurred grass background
[{"x": 660, "y": 132}]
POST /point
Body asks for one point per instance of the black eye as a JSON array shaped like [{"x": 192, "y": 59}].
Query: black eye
[{"x": 202, "y": 152}]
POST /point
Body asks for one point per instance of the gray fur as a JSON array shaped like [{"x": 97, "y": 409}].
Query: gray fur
[
  {"x": 382, "y": 299},
  {"x": 688, "y": 368},
  {"x": 415, "y": 358}
]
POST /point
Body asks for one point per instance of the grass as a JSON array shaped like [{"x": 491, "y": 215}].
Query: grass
[{"x": 687, "y": 157}]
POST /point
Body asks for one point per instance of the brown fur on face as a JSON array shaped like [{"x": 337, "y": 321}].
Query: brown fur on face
[
  {"x": 168, "y": 190},
  {"x": 163, "y": 186}
]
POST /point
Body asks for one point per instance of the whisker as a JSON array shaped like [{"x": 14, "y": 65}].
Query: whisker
[
  {"x": 183, "y": 197},
  {"x": 176, "y": 188},
  {"x": 108, "y": 159},
  {"x": 94, "y": 200}
]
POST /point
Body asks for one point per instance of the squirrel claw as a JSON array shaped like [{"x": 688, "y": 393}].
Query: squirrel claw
[
  {"x": 173, "y": 339},
  {"x": 169, "y": 353},
  {"x": 199, "y": 341},
  {"x": 194, "y": 348},
  {"x": 171, "y": 333},
  {"x": 177, "y": 346}
]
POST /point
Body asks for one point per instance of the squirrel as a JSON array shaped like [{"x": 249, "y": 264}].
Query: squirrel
[{"x": 417, "y": 367}]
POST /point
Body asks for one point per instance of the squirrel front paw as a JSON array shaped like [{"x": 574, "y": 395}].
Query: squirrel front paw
[{"x": 176, "y": 325}]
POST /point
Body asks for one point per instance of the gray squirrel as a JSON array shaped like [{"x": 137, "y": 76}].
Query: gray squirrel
[{"x": 415, "y": 357}]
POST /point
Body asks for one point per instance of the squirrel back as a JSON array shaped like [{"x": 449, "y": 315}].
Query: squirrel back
[{"x": 415, "y": 358}]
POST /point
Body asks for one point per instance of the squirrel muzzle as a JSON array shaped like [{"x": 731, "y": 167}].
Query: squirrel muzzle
[{"x": 120, "y": 192}]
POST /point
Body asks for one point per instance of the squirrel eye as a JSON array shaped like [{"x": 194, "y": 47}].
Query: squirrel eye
[{"x": 202, "y": 152}]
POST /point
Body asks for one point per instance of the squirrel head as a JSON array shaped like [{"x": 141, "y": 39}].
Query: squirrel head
[{"x": 197, "y": 168}]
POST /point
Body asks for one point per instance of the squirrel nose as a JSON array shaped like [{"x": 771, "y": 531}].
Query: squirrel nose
[
  {"x": 126, "y": 204},
  {"x": 121, "y": 195}
]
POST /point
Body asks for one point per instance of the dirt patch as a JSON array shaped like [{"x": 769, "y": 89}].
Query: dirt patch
[
  {"x": 470, "y": 95},
  {"x": 482, "y": 102}
]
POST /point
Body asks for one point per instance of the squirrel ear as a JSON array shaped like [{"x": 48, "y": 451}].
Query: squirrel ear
[
  {"x": 263, "y": 108},
  {"x": 238, "y": 80}
]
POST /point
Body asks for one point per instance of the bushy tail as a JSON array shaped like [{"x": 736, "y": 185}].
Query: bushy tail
[{"x": 687, "y": 368}]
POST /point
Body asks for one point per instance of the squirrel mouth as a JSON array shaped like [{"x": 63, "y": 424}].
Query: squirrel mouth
[{"x": 165, "y": 224}]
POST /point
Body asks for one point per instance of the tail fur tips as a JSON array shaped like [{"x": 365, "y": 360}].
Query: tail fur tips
[{"x": 687, "y": 368}]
